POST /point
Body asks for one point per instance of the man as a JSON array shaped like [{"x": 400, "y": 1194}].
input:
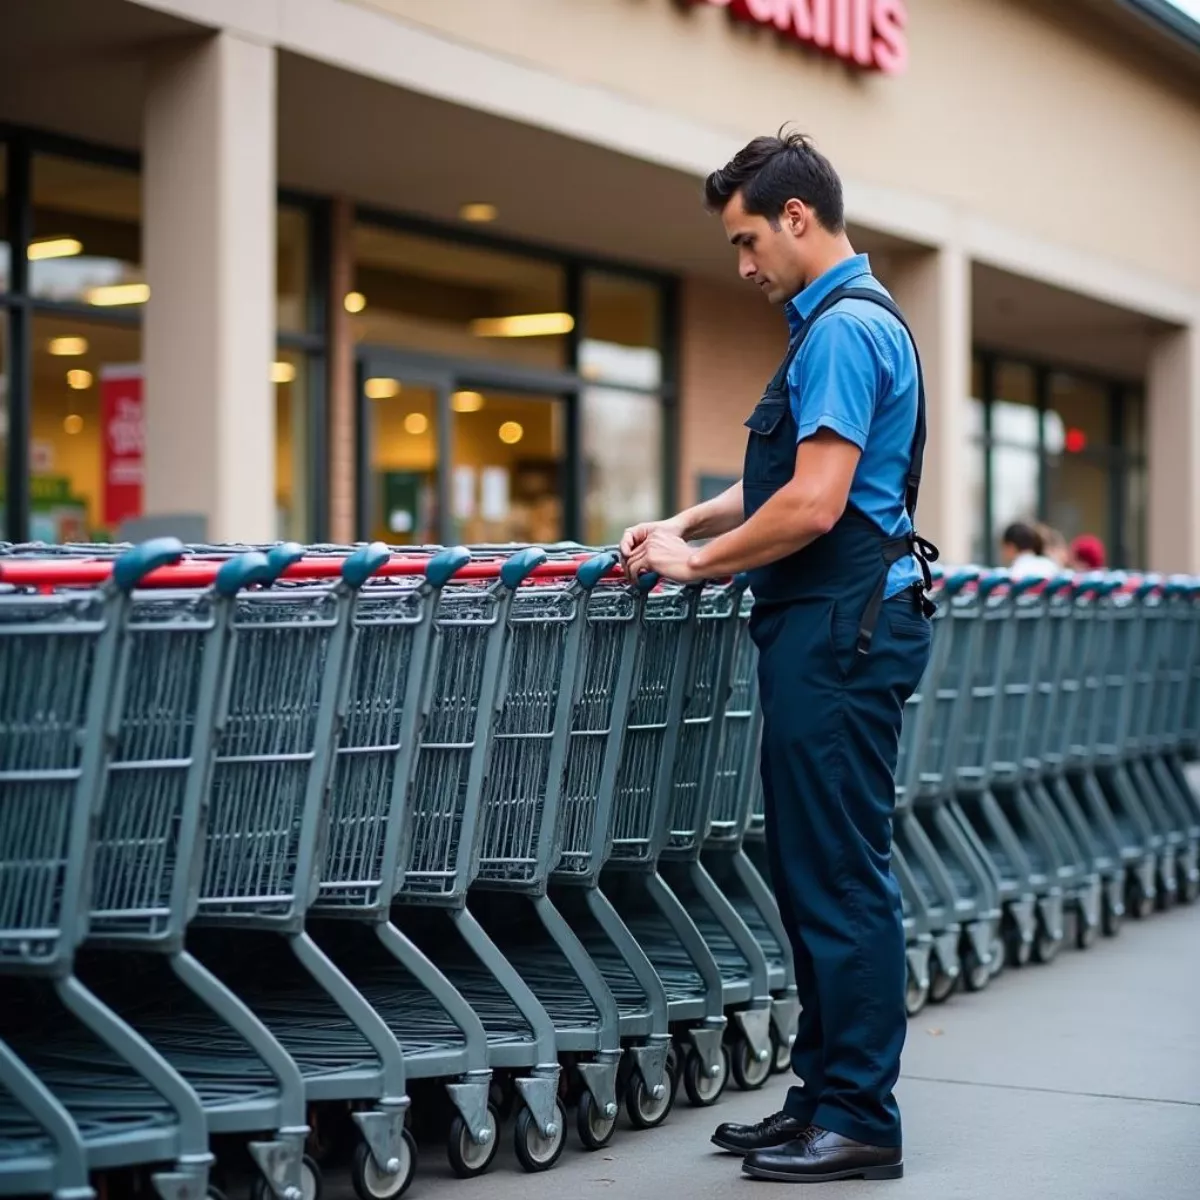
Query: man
[
  {"x": 1024, "y": 553},
  {"x": 821, "y": 519}
]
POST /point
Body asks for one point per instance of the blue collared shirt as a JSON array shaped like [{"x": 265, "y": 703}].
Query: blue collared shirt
[{"x": 856, "y": 374}]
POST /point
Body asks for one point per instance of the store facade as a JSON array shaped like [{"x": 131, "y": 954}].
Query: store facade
[{"x": 334, "y": 269}]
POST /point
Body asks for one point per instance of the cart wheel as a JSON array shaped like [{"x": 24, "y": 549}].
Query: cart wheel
[
  {"x": 1137, "y": 902},
  {"x": 976, "y": 975},
  {"x": 1045, "y": 947},
  {"x": 595, "y": 1128},
  {"x": 998, "y": 962},
  {"x": 916, "y": 994},
  {"x": 1110, "y": 919},
  {"x": 1085, "y": 934},
  {"x": 942, "y": 985},
  {"x": 781, "y": 1053},
  {"x": 467, "y": 1156},
  {"x": 1189, "y": 889},
  {"x": 1019, "y": 952},
  {"x": 538, "y": 1153},
  {"x": 749, "y": 1073},
  {"x": 644, "y": 1111},
  {"x": 704, "y": 1090},
  {"x": 370, "y": 1183},
  {"x": 310, "y": 1183}
]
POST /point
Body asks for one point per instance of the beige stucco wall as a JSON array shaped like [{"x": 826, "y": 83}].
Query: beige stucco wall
[{"x": 1053, "y": 125}]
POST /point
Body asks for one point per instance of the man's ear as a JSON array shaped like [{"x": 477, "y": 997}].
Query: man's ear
[{"x": 795, "y": 217}]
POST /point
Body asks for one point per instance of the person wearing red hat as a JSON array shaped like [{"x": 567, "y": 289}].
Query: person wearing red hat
[{"x": 1087, "y": 553}]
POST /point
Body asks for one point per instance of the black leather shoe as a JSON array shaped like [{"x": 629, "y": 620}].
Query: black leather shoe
[
  {"x": 776, "y": 1130},
  {"x": 819, "y": 1156}
]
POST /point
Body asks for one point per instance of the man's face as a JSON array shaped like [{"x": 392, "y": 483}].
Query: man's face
[{"x": 769, "y": 257}]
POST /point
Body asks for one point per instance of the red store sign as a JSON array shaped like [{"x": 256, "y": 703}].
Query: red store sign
[
  {"x": 870, "y": 34},
  {"x": 124, "y": 442}
]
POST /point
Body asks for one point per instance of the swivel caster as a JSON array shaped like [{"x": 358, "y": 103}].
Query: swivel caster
[
  {"x": 703, "y": 1089},
  {"x": 310, "y": 1183},
  {"x": 916, "y": 995},
  {"x": 976, "y": 974},
  {"x": 781, "y": 1053},
  {"x": 1046, "y": 947},
  {"x": 468, "y": 1157},
  {"x": 595, "y": 1126},
  {"x": 645, "y": 1111},
  {"x": 749, "y": 1071},
  {"x": 942, "y": 983},
  {"x": 1138, "y": 901},
  {"x": 535, "y": 1151}
]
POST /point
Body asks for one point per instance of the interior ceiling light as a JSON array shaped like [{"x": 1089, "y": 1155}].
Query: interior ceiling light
[
  {"x": 112, "y": 295},
  {"x": 79, "y": 380},
  {"x": 416, "y": 423},
  {"x": 381, "y": 389},
  {"x": 479, "y": 214},
  {"x": 73, "y": 424},
  {"x": 67, "y": 347},
  {"x": 552, "y": 324},
  {"x": 55, "y": 247},
  {"x": 355, "y": 302},
  {"x": 511, "y": 432},
  {"x": 282, "y": 372},
  {"x": 466, "y": 402}
]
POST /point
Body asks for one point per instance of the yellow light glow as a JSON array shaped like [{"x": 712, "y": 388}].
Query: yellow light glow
[
  {"x": 67, "y": 347},
  {"x": 283, "y": 372},
  {"x": 119, "y": 293},
  {"x": 524, "y": 325},
  {"x": 466, "y": 402},
  {"x": 479, "y": 214},
  {"x": 355, "y": 302},
  {"x": 58, "y": 247},
  {"x": 511, "y": 432},
  {"x": 416, "y": 424},
  {"x": 381, "y": 389},
  {"x": 79, "y": 380},
  {"x": 73, "y": 424}
]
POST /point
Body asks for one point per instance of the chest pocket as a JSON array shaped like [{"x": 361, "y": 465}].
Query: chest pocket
[{"x": 771, "y": 446}]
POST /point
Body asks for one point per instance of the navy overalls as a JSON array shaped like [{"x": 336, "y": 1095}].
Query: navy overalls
[{"x": 836, "y": 664}]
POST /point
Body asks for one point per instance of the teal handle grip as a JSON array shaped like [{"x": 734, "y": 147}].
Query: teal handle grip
[
  {"x": 741, "y": 581},
  {"x": 442, "y": 567},
  {"x": 518, "y": 568},
  {"x": 591, "y": 572},
  {"x": 1150, "y": 584},
  {"x": 241, "y": 572},
  {"x": 1058, "y": 583},
  {"x": 1026, "y": 583},
  {"x": 134, "y": 565},
  {"x": 991, "y": 580},
  {"x": 280, "y": 557},
  {"x": 648, "y": 581},
  {"x": 958, "y": 579},
  {"x": 363, "y": 563}
]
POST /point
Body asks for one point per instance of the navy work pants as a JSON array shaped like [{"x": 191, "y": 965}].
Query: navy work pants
[{"x": 831, "y": 728}]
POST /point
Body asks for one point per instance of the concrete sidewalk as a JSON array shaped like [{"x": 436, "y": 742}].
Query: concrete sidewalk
[{"x": 1078, "y": 1081}]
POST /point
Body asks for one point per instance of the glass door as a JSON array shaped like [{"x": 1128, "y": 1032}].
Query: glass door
[
  {"x": 509, "y": 477},
  {"x": 452, "y": 452},
  {"x": 401, "y": 431}
]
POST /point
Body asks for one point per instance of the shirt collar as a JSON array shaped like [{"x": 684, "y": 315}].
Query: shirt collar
[{"x": 802, "y": 305}]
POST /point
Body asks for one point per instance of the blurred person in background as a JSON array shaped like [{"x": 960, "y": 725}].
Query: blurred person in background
[
  {"x": 1024, "y": 553},
  {"x": 1087, "y": 553},
  {"x": 822, "y": 521},
  {"x": 1054, "y": 545}
]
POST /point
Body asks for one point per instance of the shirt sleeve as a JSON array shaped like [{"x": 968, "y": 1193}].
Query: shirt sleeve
[{"x": 836, "y": 378}]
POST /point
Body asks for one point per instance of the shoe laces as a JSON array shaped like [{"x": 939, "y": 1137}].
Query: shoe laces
[{"x": 773, "y": 1123}]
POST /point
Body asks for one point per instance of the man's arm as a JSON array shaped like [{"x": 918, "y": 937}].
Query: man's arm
[
  {"x": 707, "y": 520},
  {"x": 799, "y": 513}
]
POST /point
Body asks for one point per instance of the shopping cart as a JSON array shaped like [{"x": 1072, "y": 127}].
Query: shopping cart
[
  {"x": 673, "y": 692},
  {"x": 1179, "y": 659},
  {"x": 735, "y": 782},
  {"x": 953, "y": 885},
  {"x": 65, "y": 666}
]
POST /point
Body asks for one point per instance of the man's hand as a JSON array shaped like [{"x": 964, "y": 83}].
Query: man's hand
[
  {"x": 664, "y": 552},
  {"x": 636, "y": 536}
]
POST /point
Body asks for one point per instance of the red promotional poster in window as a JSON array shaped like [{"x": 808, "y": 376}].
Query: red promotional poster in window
[{"x": 124, "y": 442}]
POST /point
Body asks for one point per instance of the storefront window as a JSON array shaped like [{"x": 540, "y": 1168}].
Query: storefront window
[
  {"x": 289, "y": 373},
  {"x": 622, "y": 331},
  {"x": 462, "y": 301},
  {"x": 623, "y": 460},
  {"x": 86, "y": 242},
  {"x": 974, "y": 475},
  {"x": 4, "y": 401},
  {"x": 87, "y": 436},
  {"x": 1133, "y": 527},
  {"x": 293, "y": 270}
]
